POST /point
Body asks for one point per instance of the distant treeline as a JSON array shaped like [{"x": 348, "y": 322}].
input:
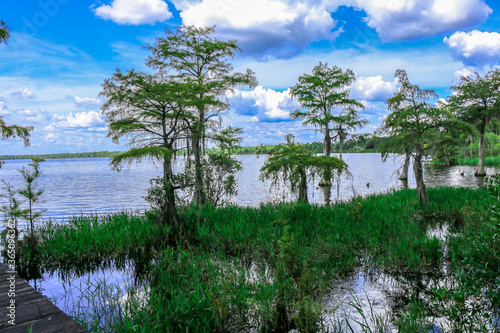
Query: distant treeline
[
  {"x": 360, "y": 144},
  {"x": 91, "y": 154}
]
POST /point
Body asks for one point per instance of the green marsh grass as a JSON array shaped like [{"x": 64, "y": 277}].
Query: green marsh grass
[
  {"x": 265, "y": 268},
  {"x": 488, "y": 161},
  {"x": 99, "y": 240}
]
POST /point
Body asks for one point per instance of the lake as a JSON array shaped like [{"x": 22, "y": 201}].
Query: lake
[{"x": 88, "y": 186}]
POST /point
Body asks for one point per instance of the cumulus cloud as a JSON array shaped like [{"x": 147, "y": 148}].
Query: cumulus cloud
[
  {"x": 457, "y": 76},
  {"x": 86, "y": 102},
  {"x": 475, "y": 48},
  {"x": 373, "y": 88},
  {"x": 134, "y": 11},
  {"x": 38, "y": 117},
  {"x": 50, "y": 137},
  {"x": 26, "y": 112},
  {"x": 263, "y": 103},
  {"x": 441, "y": 103},
  {"x": 409, "y": 19},
  {"x": 23, "y": 94},
  {"x": 83, "y": 120},
  {"x": 283, "y": 28},
  {"x": 277, "y": 28}
]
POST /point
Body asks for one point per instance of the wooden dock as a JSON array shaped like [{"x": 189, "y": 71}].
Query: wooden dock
[{"x": 33, "y": 312}]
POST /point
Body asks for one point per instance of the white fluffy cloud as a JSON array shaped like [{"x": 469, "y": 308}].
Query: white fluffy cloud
[
  {"x": 88, "y": 120},
  {"x": 263, "y": 103},
  {"x": 457, "y": 76},
  {"x": 26, "y": 112},
  {"x": 410, "y": 19},
  {"x": 475, "y": 48},
  {"x": 134, "y": 11},
  {"x": 373, "y": 88},
  {"x": 23, "y": 94},
  {"x": 284, "y": 27},
  {"x": 86, "y": 102},
  {"x": 50, "y": 137}
]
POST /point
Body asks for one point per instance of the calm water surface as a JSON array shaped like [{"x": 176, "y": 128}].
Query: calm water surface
[{"x": 88, "y": 186}]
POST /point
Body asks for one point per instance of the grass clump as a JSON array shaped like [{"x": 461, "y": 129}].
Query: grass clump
[{"x": 99, "y": 240}]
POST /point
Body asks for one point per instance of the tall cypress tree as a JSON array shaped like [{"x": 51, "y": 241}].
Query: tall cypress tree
[{"x": 194, "y": 56}]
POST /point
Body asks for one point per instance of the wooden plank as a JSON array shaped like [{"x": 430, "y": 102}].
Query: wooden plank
[{"x": 33, "y": 311}]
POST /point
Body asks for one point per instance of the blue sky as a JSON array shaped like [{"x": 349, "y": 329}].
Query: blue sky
[{"x": 61, "y": 51}]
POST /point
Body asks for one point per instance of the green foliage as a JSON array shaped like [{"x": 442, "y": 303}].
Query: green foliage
[
  {"x": 291, "y": 164},
  {"x": 229, "y": 139},
  {"x": 11, "y": 131},
  {"x": 159, "y": 153},
  {"x": 219, "y": 168},
  {"x": 219, "y": 181},
  {"x": 345, "y": 122},
  {"x": 196, "y": 58},
  {"x": 413, "y": 121},
  {"x": 12, "y": 212},
  {"x": 14, "y": 131},
  {"x": 415, "y": 125},
  {"x": 356, "y": 144},
  {"x": 31, "y": 193},
  {"x": 152, "y": 114},
  {"x": 91, "y": 154},
  {"x": 320, "y": 93},
  {"x": 89, "y": 242},
  {"x": 4, "y": 32},
  {"x": 158, "y": 195},
  {"x": 472, "y": 302},
  {"x": 476, "y": 101},
  {"x": 145, "y": 109}
]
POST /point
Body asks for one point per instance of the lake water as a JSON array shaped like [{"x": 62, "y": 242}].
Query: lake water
[{"x": 89, "y": 186}]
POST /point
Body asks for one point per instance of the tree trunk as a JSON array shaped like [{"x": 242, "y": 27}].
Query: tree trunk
[
  {"x": 327, "y": 142},
  {"x": 341, "y": 143},
  {"x": 199, "y": 197},
  {"x": 31, "y": 215},
  {"x": 419, "y": 174},
  {"x": 327, "y": 147},
  {"x": 303, "y": 186},
  {"x": 480, "y": 168},
  {"x": 170, "y": 214},
  {"x": 471, "y": 140},
  {"x": 406, "y": 165},
  {"x": 327, "y": 193}
]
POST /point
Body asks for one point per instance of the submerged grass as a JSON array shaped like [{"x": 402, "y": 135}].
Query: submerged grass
[{"x": 265, "y": 268}]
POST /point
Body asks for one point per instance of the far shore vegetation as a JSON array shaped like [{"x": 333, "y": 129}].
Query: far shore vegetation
[{"x": 468, "y": 154}]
